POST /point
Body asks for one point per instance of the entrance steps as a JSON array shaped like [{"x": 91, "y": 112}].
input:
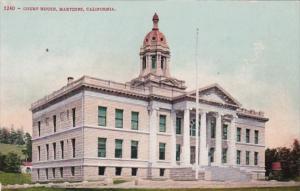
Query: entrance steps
[
  {"x": 185, "y": 173},
  {"x": 226, "y": 174}
]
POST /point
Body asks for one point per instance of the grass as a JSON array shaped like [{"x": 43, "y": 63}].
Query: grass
[
  {"x": 14, "y": 178},
  {"x": 6, "y": 148},
  {"x": 119, "y": 181},
  {"x": 190, "y": 189},
  {"x": 297, "y": 179}
]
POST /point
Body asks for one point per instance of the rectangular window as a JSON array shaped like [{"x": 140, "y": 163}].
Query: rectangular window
[
  {"x": 247, "y": 157},
  {"x": 54, "y": 150},
  {"x": 213, "y": 128},
  {"x": 47, "y": 175},
  {"x": 225, "y": 131},
  {"x": 119, "y": 118},
  {"x": 134, "y": 149},
  {"x": 162, "y": 123},
  {"x": 102, "y": 116},
  {"x": 177, "y": 152},
  {"x": 134, "y": 171},
  {"x": 118, "y": 171},
  {"x": 256, "y": 137},
  {"x": 101, "y": 170},
  {"x": 144, "y": 62},
  {"x": 162, "y": 150},
  {"x": 47, "y": 151},
  {"x": 134, "y": 120},
  {"x": 153, "y": 61},
  {"x": 238, "y": 134},
  {"x": 39, "y": 153},
  {"x": 54, "y": 123},
  {"x": 39, "y": 128},
  {"x": 53, "y": 172},
  {"x": 247, "y": 135},
  {"x": 73, "y": 171},
  {"x": 118, "y": 148},
  {"x": 178, "y": 125},
  {"x": 193, "y": 128},
  {"x": 74, "y": 117},
  {"x": 61, "y": 170},
  {"x": 38, "y": 173},
  {"x": 73, "y": 148},
  {"x": 212, "y": 154},
  {"x": 224, "y": 155},
  {"x": 161, "y": 172},
  {"x": 62, "y": 149},
  {"x": 255, "y": 158},
  {"x": 192, "y": 154},
  {"x": 101, "y": 147},
  {"x": 238, "y": 157}
]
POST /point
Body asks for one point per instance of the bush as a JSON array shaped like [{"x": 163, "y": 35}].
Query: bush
[{"x": 12, "y": 163}]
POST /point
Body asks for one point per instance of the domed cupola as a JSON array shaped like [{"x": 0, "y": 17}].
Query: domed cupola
[{"x": 155, "y": 60}]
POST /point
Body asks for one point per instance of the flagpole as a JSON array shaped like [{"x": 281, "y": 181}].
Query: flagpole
[{"x": 197, "y": 109}]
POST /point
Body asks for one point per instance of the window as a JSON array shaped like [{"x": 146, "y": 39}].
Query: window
[
  {"x": 53, "y": 172},
  {"x": 54, "y": 123},
  {"x": 38, "y": 173},
  {"x": 62, "y": 149},
  {"x": 192, "y": 154},
  {"x": 118, "y": 171},
  {"x": 225, "y": 131},
  {"x": 102, "y": 116},
  {"x": 212, "y": 154},
  {"x": 101, "y": 170},
  {"x": 134, "y": 120},
  {"x": 177, "y": 152},
  {"x": 178, "y": 125},
  {"x": 39, "y": 128},
  {"x": 61, "y": 170},
  {"x": 161, "y": 172},
  {"x": 134, "y": 149},
  {"x": 118, "y": 148},
  {"x": 74, "y": 117},
  {"x": 47, "y": 151},
  {"x": 193, "y": 127},
  {"x": 119, "y": 118},
  {"x": 162, "y": 62},
  {"x": 73, "y": 171},
  {"x": 153, "y": 61},
  {"x": 247, "y": 157},
  {"x": 39, "y": 153},
  {"x": 213, "y": 128},
  {"x": 256, "y": 137},
  {"x": 47, "y": 175},
  {"x": 54, "y": 150},
  {"x": 144, "y": 62},
  {"x": 238, "y": 134},
  {"x": 162, "y": 123},
  {"x": 134, "y": 171},
  {"x": 73, "y": 148},
  {"x": 101, "y": 147},
  {"x": 255, "y": 158},
  {"x": 162, "y": 149},
  {"x": 238, "y": 157},
  {"x": 224, "y": 155},
  {"x": 247, "y": 135}
]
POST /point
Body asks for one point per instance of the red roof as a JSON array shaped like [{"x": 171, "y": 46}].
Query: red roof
[{"x": 27, "y": 164}]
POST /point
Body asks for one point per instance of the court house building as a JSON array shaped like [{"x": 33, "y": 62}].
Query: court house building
[{"x": 91, "y": 128}]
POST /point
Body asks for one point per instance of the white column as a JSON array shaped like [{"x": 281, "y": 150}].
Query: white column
[
  {"x": 173, "y": 137},
  {"x": 203, "y": 145},
  {"x": 232, "y": 141},
  {"x": 218, "y": 139},
  {"x": 153, "y": 123},
  {"x": 186, "y": 138}
]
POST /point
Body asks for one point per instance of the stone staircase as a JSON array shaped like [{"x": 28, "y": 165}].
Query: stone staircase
[
  {"x": 227, "y": 174},
  {"x": 186, "y": 173}
]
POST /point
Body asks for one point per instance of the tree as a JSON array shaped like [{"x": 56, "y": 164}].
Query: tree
[
  {"x": 12, "y": 163},
  {"x": 28, "y": 150},
  {"x": 2, "y": 158}
]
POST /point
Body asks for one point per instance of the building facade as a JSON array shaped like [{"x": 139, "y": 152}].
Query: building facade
[{"x": 93, "y": 128}]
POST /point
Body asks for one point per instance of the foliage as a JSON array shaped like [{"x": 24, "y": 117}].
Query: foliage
[
  {"x": 12, "y": 136},
  {"x": 289, "y": 159},
  {"x": 28, "y": 151},
  {"x": 14, "y": 178},
  {"x": 12, "y": 163}
]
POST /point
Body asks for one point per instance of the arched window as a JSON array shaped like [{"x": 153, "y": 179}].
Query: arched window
[{"x": 153, "y": 59}]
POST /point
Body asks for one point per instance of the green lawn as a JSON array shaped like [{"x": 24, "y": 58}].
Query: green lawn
[
  {"x": 14, "y": 178},
  {"x": 6, "y": 148},
  {"x": 191, "y": 189}
]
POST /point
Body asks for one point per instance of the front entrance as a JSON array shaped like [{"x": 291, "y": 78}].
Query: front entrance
[{"x": 193, "y": 154}]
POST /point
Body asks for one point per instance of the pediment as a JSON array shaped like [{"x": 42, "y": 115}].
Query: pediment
[{"x": 215, "y": 93}]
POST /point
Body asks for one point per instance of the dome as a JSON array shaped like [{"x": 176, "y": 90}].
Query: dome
[{"x": 155, "y": 37}]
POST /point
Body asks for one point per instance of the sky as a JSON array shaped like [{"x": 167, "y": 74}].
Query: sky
[{"x": 250, "y": 48}]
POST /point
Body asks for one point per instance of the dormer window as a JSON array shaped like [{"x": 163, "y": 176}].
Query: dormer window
[
  {"x": 153, "y": 38},
  {"x": 146, "y": 40},
  {"x": 161, "y": 39},
  {"x": 153, "y": 59}
]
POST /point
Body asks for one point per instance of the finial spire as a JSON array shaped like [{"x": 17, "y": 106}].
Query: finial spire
[{"x": 155, "y": 20}]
